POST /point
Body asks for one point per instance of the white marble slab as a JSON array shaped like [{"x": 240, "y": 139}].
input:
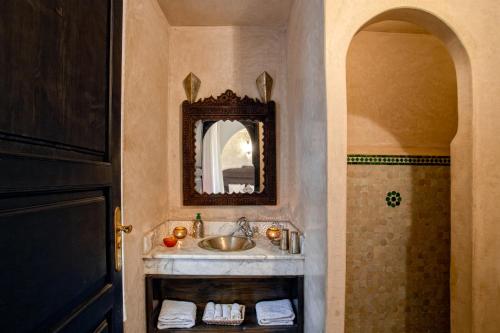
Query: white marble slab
[
  {"x": 155, "y": 237},
  {"x": 187, "y": 258},
  {"x": 223, "y": 267},
  {"x": 188, "y": 249}
]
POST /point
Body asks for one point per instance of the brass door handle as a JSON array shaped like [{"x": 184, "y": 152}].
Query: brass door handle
[
  {"x": 119, "y": 228},
  {"x": 125, "y": 228}
]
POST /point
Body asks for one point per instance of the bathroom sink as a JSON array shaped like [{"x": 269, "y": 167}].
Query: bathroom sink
[{"x": 227, "y": 243}]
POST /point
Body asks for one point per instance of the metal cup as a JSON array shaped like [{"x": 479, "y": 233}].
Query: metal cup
[
  {"x": 294, "y": 242},
  {"x": 284, "y": 239}
]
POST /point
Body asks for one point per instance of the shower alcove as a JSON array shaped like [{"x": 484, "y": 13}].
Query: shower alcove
[{"x": 402, "y": 117}]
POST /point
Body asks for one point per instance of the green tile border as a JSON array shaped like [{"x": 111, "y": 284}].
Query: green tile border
[{"x": 397, "y": 160}]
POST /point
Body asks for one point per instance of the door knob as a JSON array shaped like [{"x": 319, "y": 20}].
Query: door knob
[{"x": 119, "y": 228}]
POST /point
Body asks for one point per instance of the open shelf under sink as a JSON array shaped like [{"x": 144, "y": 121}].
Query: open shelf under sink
[
  {"x": 247, "y": 290},
  {"x": 249, "y": 325}
]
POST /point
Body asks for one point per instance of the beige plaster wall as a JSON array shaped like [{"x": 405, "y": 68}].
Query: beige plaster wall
[
  {"x": 475, "y": 151},
  {"x": 306, "y": 183},
  {"x": 226, "y": 58},
  {"x": 401, "y": 94},
  {"x": 145, "y": 86},
  {"x": 227, "y": 12}
]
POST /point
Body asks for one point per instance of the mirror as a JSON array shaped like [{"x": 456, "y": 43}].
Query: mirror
[
  {"x": 229, "y": 156},
  {"x": 229, "y": 151}
]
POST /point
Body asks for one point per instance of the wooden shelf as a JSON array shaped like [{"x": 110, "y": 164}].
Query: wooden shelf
[
  {"x": 249, "y": 325},
  {"x": 241, "y": 289}
]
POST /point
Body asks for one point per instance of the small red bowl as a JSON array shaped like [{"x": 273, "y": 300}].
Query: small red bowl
[{"x": 170, "y": 241}]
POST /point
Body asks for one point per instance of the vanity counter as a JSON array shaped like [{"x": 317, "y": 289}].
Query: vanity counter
[
  {"x": 188, "y": 248},
  {"x": 187, "y": 258},
  {"x": 189, "y": 272}
]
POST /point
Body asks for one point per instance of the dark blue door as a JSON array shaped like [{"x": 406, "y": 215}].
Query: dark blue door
[{"x": 60, "y": 65}]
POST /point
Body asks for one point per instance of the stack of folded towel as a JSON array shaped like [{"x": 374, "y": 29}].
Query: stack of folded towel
[
  {"x": 221, "y": 311},
  {"x": 177, "y": 314},
  {"x": 271, "y": 313}
]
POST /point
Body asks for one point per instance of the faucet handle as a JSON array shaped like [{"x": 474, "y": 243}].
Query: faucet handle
[
  {"x": 250, "y": 231},
  {"x": 255, "y": 229},
  {"x": 242, "y": 220}
]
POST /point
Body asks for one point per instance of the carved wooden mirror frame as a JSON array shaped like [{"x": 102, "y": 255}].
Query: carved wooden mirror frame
[{"x": 228, "y": 106}]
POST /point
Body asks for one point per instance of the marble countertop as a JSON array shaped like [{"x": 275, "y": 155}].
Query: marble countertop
[{"x": 188, "y": 248}]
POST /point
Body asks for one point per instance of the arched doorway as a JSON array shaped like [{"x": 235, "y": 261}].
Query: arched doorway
[
  {"x": 402, "y": 117},
  {"x": 460, "y": 152}
]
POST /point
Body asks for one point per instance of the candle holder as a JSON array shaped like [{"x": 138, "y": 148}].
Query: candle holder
[
  {"x": 273, "y": 233},
  {"x": 180, "y": 232}
]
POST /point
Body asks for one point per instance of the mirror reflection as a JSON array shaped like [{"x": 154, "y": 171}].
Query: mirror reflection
[{"x": 229, "y": 156}]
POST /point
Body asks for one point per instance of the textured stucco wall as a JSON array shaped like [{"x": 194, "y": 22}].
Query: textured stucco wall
[
  {"x": 226, "y": 58},
  {"x": 307, "y": 121},
  {"x": 144, "y": 167},
  {"x": 465, "y": 26},
  {"x": 401, "y": 94},
  {"x": 262, "y": 13}
]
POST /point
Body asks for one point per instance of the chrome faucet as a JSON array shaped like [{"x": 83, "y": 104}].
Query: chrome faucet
[{"x": 244, "y": 226}]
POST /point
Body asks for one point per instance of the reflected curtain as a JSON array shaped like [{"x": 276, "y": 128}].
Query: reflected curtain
[{"x": 213, "y": 181}]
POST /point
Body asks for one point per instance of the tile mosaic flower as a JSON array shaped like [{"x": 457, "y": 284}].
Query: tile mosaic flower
[{"x": 393, "y": 199}]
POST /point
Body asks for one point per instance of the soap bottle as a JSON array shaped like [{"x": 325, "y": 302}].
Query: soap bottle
[{"x": 198, "y": 227}]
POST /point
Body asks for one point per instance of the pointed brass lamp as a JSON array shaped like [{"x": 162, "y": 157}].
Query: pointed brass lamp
[
  {"x": 191, "y": 86},
  {"x": 265, "y": 86}
]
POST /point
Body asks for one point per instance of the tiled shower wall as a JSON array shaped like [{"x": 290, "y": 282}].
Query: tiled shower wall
[{"x": 398, "y": 256}]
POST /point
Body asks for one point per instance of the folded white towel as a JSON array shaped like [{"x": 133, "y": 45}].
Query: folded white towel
[
  {"x": 226, "y": 311},
  {"x": 270, "y": 313},
  {"x": 209, "y": 312},
  {"x": 218, "y": 311},
  {"x": 235, "y": 311},
  {"x": 177, "y": 314}
]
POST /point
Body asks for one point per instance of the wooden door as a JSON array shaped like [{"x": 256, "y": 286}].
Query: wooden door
[{"x": 60, "y": 66}]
